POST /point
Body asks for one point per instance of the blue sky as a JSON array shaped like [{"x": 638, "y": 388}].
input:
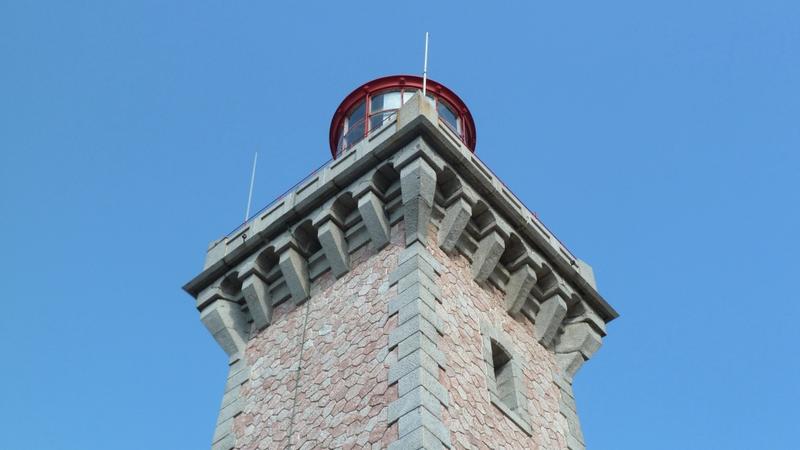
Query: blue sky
[{"x": 659, "y": 141}]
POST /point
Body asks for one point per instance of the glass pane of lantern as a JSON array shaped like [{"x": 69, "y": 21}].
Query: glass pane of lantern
[
  {"x": 355, "y": 125},
  {"x": 356, "y": 113},
  {"x": 382, "y": 107},
  {"x": 407, "y": 94},
  {"x": 448, "y": 115},
  {"x": 386, "y": 100}
]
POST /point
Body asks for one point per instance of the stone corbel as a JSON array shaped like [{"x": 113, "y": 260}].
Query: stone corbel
[
  {"x": 331, "y": 235},
  {"x": 582, "y": 312},
  {"x": 456, "y": 218},
  {"x": 374, "y": 216},
  {"x": 575, "y": 338},
  {"x": 548, "y": 320},
  {"x": 334, "y": 245},
  {"x": 486, "y": 257},
  {"x": 533, "y": 259},
  {"x": 418, "y": 188},
  {"x": 576, "y": 345},
  {"x": 225, "y": 320},
  {"x": 579, "y": 337},
  {"x": 256, "y": 294},
  {"x": 294, "y": 268},
  {"x": 557, "y": 285},
  {"x": 255, "y": 290},
  {"x": 519, "y": 286},
  {"x": 259, "y": 302}
]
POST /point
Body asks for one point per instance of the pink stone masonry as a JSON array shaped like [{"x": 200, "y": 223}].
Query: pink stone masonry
[
  {"x": 343, "y": 392},
  {"x": 474, "y": 422}
]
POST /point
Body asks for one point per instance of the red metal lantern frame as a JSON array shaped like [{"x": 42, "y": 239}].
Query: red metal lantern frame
[{"x": 365, "y": 92}]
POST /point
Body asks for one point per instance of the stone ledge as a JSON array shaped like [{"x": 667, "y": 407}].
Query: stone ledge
[{"x": 516, "y": 418}]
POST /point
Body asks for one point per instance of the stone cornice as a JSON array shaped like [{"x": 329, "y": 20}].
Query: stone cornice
[
  {"x": 413, "y": 170},
  {"x": 225, "y": 253},
  {"x": 440, "y": 148}
]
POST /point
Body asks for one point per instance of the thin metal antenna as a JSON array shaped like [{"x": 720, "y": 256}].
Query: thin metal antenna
[
  {"x": 425, "y": 68},
  {"x": 250, "y": 194}
]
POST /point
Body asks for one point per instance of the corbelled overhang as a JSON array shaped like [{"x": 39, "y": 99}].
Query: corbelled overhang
[{"x": 416, "y": 133}]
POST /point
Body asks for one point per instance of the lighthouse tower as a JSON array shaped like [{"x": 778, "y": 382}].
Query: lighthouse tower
[{"x": 401, "y": 296}]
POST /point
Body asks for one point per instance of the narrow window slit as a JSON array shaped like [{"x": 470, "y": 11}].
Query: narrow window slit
[{"x": 503, "y": 376}]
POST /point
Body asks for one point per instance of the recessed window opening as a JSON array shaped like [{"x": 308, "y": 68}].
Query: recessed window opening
[{"x": 503, "y": 376}]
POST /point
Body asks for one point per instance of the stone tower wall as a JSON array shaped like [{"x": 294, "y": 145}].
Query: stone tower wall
[
  {"x": 340, "y": 395},
  {"x": 399, "y": 297}
]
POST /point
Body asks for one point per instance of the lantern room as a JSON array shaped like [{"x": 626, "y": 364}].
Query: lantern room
[{"x": 374, "y": 104}]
